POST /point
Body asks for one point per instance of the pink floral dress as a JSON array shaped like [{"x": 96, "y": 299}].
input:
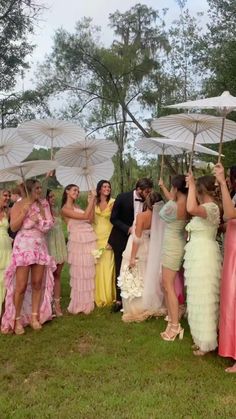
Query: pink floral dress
[{"x": 30, "y": 248}]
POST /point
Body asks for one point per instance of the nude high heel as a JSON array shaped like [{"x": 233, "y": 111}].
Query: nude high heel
[
  {"x": 18, "y": 329},
  {"x": 34, "y": 322},
  {"x": 172, "y": 332}
]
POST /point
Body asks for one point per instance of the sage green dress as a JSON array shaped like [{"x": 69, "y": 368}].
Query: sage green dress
[
  {"x": 174, "y": 237},
  {"x": 56, "y": 242}
]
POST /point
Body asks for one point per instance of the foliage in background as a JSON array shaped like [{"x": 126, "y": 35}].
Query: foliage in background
[
  {"x": 114, "y": 90},
  {"x": 17, "y": 20}
]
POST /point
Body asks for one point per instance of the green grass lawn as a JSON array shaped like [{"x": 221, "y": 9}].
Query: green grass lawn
[{"x": 97, "y": 367}]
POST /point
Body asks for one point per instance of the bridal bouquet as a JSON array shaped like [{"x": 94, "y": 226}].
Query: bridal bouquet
[
  {"x": 97, "y": 253},
  {"x": 130, "y": 283}
]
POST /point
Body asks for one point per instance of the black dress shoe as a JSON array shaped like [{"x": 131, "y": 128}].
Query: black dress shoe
[{"x": 117, "y": 306}]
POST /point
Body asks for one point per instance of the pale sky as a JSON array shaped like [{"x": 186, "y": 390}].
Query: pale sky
[{"x": 65, "y": 13}]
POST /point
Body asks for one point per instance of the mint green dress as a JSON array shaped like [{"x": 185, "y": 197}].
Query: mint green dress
[
  {"x": 174, "y": 237},
  {"x": 56, "y": 242},
  {"x": 5, "y": 255}
]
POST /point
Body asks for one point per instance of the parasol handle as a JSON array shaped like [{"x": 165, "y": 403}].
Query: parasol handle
[
  {"x": 191, "y": 155},
  {"x": 24, "y": 182},
  {"x": 162, "y": 165},
  {"x": 52, "y": 146},
  {"x": 221, "y": 139}
]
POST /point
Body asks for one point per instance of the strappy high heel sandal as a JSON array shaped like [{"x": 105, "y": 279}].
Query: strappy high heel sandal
[
  {"x": 18, "y": 329},
  {"x": 57, "y": 307},
  {"x": 172, "y": 332},
  {"x": 168, "y": 327},
  {"x": 34, "y": 322}
]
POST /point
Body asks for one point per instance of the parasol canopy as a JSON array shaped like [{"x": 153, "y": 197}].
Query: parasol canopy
[
  {"x": 206, "y": 128},
  {"x": 12, "y": 148},
  {"x": 85, "y": 177},
  {"x": 200, "y": 128},
  {"x": 169, "y": 146},
  {"x": 51, "y": 133},
  {"x": 91, "y": 151},
  {"x": 224, "y": 104},
  {"x": 27, "y": 170},
  {"x": 166, "y": 146}
]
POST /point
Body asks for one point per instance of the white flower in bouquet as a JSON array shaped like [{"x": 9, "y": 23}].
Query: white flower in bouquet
[
  {"x": 130, "y": 283},
  {"x": 97, "y": 253}
]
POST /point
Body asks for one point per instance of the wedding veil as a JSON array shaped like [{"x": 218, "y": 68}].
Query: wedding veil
[{"x": 152, "y": 293}]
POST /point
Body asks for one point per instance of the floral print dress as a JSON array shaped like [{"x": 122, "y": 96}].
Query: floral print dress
[{"x": 30, "y": 248}]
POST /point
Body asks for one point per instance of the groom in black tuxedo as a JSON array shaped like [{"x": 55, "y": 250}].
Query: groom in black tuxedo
[{"x": 126, "y": 206}]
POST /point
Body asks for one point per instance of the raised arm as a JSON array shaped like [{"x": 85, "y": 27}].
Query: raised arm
[
  {"x": 70, "y": 213},
  {"x": 228, "y": 206},
  {"x": 18, "y": 214},
  {"x": 165, "y": 191},
  {"x": 193, "y": 207}
]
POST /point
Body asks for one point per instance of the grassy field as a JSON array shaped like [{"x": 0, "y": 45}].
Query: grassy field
[{"x": 97, "y": 367}]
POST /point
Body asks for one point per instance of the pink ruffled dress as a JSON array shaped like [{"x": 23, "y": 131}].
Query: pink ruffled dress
[
  {"x": 227, "y": 335},
  {"x": 30, "y": 248},
  {"x": 81, "y": 243}
]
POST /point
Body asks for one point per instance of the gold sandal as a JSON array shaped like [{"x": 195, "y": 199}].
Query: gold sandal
[
  {"x": 18, "y": 329},
  {"x": 34, "y": 322}
]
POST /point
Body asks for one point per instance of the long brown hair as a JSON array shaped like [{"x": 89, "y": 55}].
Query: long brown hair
[
  {"x": 151, "y": 199},
  {"x": 64, "y": 195},
  {"x": 98, "y": 190}
]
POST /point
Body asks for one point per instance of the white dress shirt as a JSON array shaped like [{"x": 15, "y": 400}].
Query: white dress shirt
[{"x": 138, "y": 205}]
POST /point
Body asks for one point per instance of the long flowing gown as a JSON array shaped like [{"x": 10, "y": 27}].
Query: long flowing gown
[
  {"x": 133, "y": 307},
  {"x": 81, "y": 243},
  {"x": 56, "y": 242},
  {"x": 105, "y": 291},
  {"x": 227, "y": 335},
  {"x": 202, "y": 264},
  {"x": 142, "y": 296},
  {"x": 30, "y": 248},
  {"x": 5, "y": 256}
]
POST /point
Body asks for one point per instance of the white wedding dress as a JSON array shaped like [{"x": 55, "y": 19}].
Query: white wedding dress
[{"x": 147, "y": 273}]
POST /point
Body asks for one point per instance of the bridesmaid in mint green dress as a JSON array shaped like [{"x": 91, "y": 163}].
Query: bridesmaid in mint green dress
[
  {"x": 174, "y": 214},
  {"x": 57, "y": 249},
  {"x": 202, "y": 264},
  {"x": 5, "y": 244}
]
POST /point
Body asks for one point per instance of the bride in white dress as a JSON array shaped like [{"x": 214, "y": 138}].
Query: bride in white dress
[{"x": 140, "y": 279}]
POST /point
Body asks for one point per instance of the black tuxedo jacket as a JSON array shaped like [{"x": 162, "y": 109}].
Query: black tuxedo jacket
[{"x": 122, "y": 217}]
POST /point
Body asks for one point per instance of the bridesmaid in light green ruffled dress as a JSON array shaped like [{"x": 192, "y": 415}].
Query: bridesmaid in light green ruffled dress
[
  {"x": 57, "y": 249},
  {"x": 5, "y": 243},
  {"x": 202, "y": 263}
]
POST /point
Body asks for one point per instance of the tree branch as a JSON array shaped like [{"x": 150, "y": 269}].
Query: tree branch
[{"x": 106, "y": 125}]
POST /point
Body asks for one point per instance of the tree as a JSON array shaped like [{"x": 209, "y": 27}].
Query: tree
[
  {"x": 18, "y": 107},
  {"x": 106, "y": 83},
  {"x": 184, "y": 36},
  {"x": 217, "y": 54},
  {"x": 17, "y": 19}
]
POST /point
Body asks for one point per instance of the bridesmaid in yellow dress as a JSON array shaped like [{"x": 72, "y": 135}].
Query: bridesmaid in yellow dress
[
  {"x": 105, "y": 268},
  {"x": 5, "y": 242}
]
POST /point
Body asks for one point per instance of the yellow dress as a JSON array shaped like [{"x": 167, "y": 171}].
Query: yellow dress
[
  {"x": 5, "y": 256},
  {"x": 105, "y": 268}
]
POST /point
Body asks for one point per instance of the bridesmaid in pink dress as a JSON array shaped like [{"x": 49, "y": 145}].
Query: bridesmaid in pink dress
[
  {"x": 29, "y": 301},
  {"x": 227, "y": 336},
  {"x": 81, "y": 243}
]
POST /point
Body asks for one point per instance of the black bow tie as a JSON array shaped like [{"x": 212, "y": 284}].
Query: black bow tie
[{"x": 139, "y": 199}]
